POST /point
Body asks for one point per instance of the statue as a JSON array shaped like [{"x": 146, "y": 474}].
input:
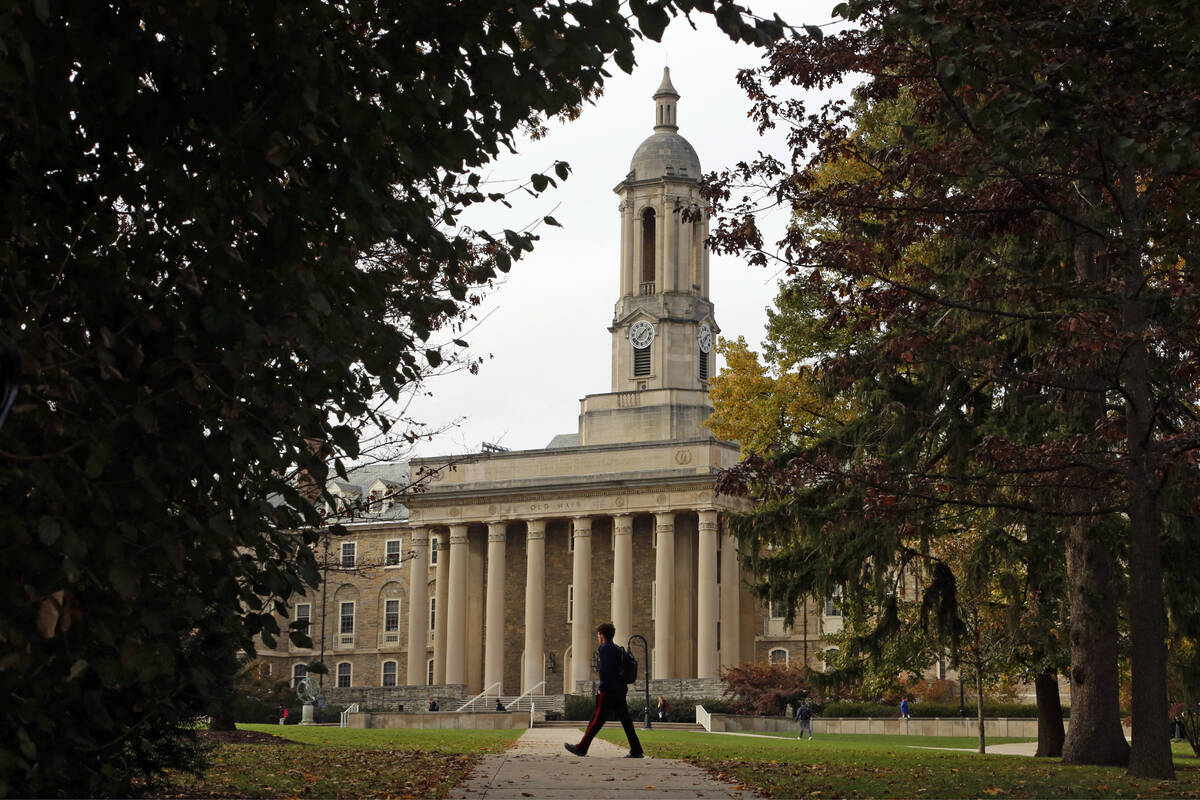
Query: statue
[{"x": 308, "y": 691}]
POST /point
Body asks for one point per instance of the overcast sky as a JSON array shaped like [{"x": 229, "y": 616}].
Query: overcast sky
[{"x": 546, "y": 325}]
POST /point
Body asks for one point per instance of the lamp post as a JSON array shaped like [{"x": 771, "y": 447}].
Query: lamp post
[{"x": 646, "y": 659}]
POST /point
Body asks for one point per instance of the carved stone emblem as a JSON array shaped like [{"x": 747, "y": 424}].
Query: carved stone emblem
[{"x": 683, "y": 457}]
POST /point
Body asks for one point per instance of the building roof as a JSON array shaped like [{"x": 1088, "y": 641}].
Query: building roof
[{"x": 665, "y": 154}]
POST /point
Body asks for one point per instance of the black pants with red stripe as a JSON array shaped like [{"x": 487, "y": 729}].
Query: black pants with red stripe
[{"x": 608, "y": 705}]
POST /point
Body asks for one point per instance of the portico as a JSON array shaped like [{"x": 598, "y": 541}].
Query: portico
[{"x": 622, "y": 522}]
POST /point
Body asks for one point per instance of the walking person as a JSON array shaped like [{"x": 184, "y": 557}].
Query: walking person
[
  {"x": 663, "y": 707},
  {"x": 804, "y": 719},
  {"x": 610, "y": 701},
  {"x": 904, "y": 707}
]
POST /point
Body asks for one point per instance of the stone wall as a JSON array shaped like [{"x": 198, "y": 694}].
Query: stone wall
[
  {"x": 670, "y": 688},
  {"x": 413, "y": 698},
  {"x": 479, "y": 720},
  {"x": 1019, "y": 727}
]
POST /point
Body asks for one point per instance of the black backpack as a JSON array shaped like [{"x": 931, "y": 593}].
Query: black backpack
[{"x": 629, "y": 666}]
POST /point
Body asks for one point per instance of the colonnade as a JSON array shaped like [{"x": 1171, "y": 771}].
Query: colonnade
[{"x": 715, "y": 600}]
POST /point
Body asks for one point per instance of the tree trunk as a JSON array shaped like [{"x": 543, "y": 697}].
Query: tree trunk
[
  {"x": 1095, "y": 735},
  {"x": 1151, "y": 756},
  {"x": 1050, "y": 721},
  {"x": 221, "y": 719},
  {"x": 979, "y": 705}
]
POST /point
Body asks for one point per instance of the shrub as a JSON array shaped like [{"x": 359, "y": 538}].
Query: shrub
[{"x": 760, "y": 688}]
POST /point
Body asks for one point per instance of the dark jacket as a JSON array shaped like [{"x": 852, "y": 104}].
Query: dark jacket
[
  {"x": 803, "y": 714},
  {"x": 610, "y": 669}
]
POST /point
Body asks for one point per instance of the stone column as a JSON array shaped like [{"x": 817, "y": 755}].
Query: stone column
[
  {"x": 670, "y": 261},
  {"x": 664, "y": 585},
  {"x": 418, "y": 599},
  {"x": 582, "y": 635},
  {"x": 731, "y": 585},
  {"x": 441, "y": 597},
  {"x": 535, "y": 603},
  {"x": 628, "y": 279},
  {"x": 622, "y": 591},
  {"x": 493, "y": 643},
  {"x": 456, "y": 612},
  {"x": 707, "y": 596}
]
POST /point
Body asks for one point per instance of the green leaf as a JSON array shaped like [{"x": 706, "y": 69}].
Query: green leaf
[{"x": 48, "y": 530}]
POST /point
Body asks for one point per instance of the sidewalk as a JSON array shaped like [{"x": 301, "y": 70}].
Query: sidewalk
[{"x": 537, "y": 766}]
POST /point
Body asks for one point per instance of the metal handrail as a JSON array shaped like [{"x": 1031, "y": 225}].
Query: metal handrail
[
  {"x": 512, "y": 703},
  {"x": 484, "y": 693},
  {"x": 350, "y": 709}
]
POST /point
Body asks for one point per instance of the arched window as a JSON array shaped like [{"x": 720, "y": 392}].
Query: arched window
[
  {"x": 389, "y": 673},
  {"x": 778, "y": 656},
  {"x": 343, "y": 675},
  {"x": 648, "y": 249},
  {"x": 298, "y": 672}
]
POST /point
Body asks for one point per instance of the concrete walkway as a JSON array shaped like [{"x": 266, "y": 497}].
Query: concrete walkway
[{"x": 537, "y": 766}]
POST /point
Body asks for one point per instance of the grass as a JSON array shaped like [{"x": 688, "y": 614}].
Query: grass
[
  {"x": 340, "y": 762},
  {"x": 445, "y": 740},
  {"x": 856, "y": 766}
]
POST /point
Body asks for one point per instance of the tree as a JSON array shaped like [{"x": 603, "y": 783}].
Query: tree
[
  {"x": 1025, "y": 237},
  {"x": 228, "y": 229}
]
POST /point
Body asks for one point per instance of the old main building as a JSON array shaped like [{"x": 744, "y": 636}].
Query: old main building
[{"x": 494, "y": 578}]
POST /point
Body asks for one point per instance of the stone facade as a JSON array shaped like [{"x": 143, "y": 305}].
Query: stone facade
[{"x": 618, "y": 521}]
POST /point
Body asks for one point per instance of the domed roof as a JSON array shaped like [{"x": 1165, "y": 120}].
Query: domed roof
[{"x": 665, "y": 154}]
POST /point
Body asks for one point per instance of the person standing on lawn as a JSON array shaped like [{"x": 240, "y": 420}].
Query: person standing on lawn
[
  {"x": 610, "y": 702},
  {"x": 804, "y": 719}
]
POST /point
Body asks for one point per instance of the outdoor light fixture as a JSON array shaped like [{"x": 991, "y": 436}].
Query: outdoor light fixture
[{"x": 550, "y": 665}]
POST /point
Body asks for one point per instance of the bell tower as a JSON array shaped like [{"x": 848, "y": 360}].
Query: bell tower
[{"x": 663, "y": 329}]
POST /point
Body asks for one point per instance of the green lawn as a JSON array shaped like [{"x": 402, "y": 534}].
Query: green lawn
[
  {"x": 340, "y": 762},
  {"x": 448, "y": 740},
  {"x": 889, "y": 766}
]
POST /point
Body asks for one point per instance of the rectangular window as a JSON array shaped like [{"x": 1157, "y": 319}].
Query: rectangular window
[
  {"x": 389, "y": 673},
  {"x": 347, "y": 615},
  {"x": 641, "y": 362},
  {"x": 304, "y": 615},
  {"x": 777, "y": 609},
  {"x": 718, "y": 567},
  {"x": 429, "y": 672},
  {"x": 433, "y": 550},
  {"x": 653, "y": 599},
  {"x": 570, "y": 540},
  {"x": 391, "y": 616},
  {"x": 570, "y": 602},
  {"x": 704, "y": 366},
  {"x": 832, "y": 605},
  {"x": 343, "y": 675},
  {"x": 391, "y": 556},
  {"x": 433, "y": 613},
  {"x": 299, "y": 671},
  {"x": 348, "y": 552},
  {"x": 941, "y": 668}
]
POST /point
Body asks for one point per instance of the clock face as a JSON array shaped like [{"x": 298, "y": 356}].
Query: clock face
[
  {"x": 641, "y": 334},
  {"x": 704, "y": 337}
]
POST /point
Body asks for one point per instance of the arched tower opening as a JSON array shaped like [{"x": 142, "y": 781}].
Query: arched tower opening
[{"x": 648, "y": 250}]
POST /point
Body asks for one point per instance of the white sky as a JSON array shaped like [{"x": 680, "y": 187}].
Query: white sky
[{"x": 546, "y": 326}]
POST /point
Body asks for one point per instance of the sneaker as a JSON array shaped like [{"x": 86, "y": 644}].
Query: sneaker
[
  {"x": 573, "y": 750},
  {"x": 635, "y": 755}
]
